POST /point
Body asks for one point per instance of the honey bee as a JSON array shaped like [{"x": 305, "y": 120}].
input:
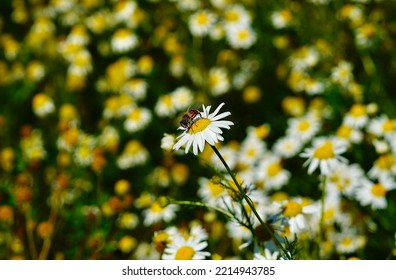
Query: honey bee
[{"x": 189, "y": 118}]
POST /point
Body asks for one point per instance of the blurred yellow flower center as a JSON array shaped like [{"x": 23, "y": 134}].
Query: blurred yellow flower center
[
  {"x": 347, "y": 241},
  {"x": 303, "y": 125},
  {"x": 202, "y": 19},
  {"x": 378, "y": 190},
  {"x": 388, "y": 125},
  {"x": 324, "y": 152},
  {"x": 199, "y": 125},
  {"x": 243, "y": 35},
  {"x": 185, "y": 253},
  {"x": 292, "y": 209},
  {"x": 358, "y": 110},
  {"x": 385, "y": 162},
  {"x": 274, "y": 169},
  {"x": 215, "y": 189},
  {"x": 344, "y": 131},
  {"x": 156, "y": 207}
]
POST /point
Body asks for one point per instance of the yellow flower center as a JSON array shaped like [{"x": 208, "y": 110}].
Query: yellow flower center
[
  {"x": 388, "y": 126},
  {"x": 185, "y": 253},
  {"x": 243, "y": 35},
  {"x": 215, "y": 189},
  {"x": 199, "y": 125},
  {"x": 135, "y": 115},
  {"x": 156, "y": 207},
  {"x": 358, "y": 110},
  {"x": 304, "y": 126},
  {"x": 346, "y": 241},
  {"x": 292, "y": 209},
  {"x": 378, "y": 190},
  {"x": 274, "y": 169},
  {"x": 344, "y": 131},
  {"x": 324, "y": 152},
  {"x": 385, "y": 162},
  {"x": 232, "y": 16},
  {"x": 202, "y": 19}
]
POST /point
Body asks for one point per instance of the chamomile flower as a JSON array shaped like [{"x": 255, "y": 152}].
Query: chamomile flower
[
  {"x": 382, "y": 126},
  {"x": 345, "y": 179},
  {"x": 357, "y": 116},
  {"x": 218, "y": 81},
  {"x": 298, "y": 211},
  {"x": 211, "y": 191},
  {"x": 134, "y": 154},
  {"x": 384, "y": 166},
  {"x": 182, "y": 97},
  {"x": 267, "y": 255},
  {"x": 348, "y": 242},
  {"x": 201, "y": 22},
  {"x": 324, "y": 154},
  {"x": 271, "y": 172},
  {"x": 204, "y": 128},
  {"x": 287, "y": 146},
  {"x": 167, "y": 142},
  {"x": 182, "y": 248},
  {"x": 374, "y": 194},
  {"x": 42, "y": 105},
  {"x": 137, "y": 119},
  {"x": 135, "y": 87},
  {"x": 165, "y": 106},
  {"x": 123, "y": 40},
  {"x": 158, "y": 212},
  {"x": 303, "y": 128},
  {"x": 236, "y": 15},
  {"x": 342, "y": 73},
  {"x": 252, "y": 148},
  {"x": 281, "y": 19},
  {"x": 240, "y": 37}
]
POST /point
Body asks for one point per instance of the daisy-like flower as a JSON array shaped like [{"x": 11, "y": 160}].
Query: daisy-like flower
[
  {"x": 35, "y": 71},
  {"x": 218, "y": 81},
  {"x": 252, "y": 148},
  {"x": 374, "y": 194},
  {"x": 384, "y": 166},
  {"x": 182, "y": 248},
  {"x": 134, "y": 154},
  {"x": 297, "y": 211},
  {"x": 271, "y": 172},
  {"x": 325, "y": 154},
  {"x": 287, "y": 146},
  {"x": 345, "y": 179},
  {"x": 201, "y": 22},
  {"x": 348, "y": 242},
  {"x": 42, "y": 105},
  {"x": 137, "y": 119},
  {"x": 303, "y": 128},
  {"x": 211, "y": 191},
  {"x": 281, "y": 19},
  {"x": 135, "y": 87},
  {"x": 167, "y": 142},
  {"x": 158, "y": 212},
  {"x": 203, "y": 127},
  {"x": 123, "y": 40},
  {"x": 382, "y": 126},
  {"x": 182, "y": 97},
  {"x": 236, "y": 15},
  {"x": 357, "y": 116},
  {"x": 240, "y": 37},
  {"x": 267, "y": 255},
  {"x": 305, "y": 57},
  {"x": 342, "y": 73}
]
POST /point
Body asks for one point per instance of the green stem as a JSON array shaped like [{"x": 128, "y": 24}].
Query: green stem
[
  {"x": 201, "y": 204},
  {"x": 248, "y": 200}
]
